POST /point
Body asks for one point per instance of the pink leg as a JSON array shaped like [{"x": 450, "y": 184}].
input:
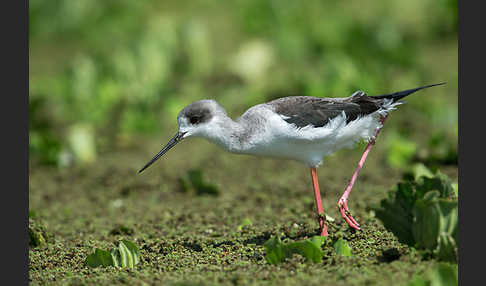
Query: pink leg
[
  {"x": 343, "y": 201},
  {"x": 317, "y": 196}
]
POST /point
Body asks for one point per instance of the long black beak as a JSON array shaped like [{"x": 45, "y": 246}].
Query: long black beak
[{"x": 172, "y": 142}]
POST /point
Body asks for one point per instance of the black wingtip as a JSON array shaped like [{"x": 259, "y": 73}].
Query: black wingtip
[{"x": 401, "y": 94}]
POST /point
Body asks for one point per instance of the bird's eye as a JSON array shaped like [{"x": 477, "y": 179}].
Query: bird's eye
[{"x": 194, "y": 120}]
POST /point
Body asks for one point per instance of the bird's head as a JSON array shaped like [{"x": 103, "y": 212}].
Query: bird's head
[{"x": 196, "y": 119}]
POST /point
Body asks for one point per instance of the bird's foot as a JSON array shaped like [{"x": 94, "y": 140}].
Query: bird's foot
[{"x": 346, "y": 214}]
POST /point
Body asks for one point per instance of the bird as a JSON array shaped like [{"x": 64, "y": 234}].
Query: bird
[{"x": 300, "y": 128}]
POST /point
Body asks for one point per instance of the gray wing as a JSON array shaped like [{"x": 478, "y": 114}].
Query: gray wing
[{"x": 316, "y": 111}]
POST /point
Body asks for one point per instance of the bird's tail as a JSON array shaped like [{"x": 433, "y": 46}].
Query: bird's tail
[{"x": 401, "y": 94}]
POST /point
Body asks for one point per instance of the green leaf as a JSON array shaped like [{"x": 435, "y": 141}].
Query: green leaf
[
  {"x": 310, "y": 249},
  {"x": 440, "y": 182},
  {"x": 273, "y": 250},
  {"x": 427, "y": 221},
  {"x": 126, "y": 255},
  {"x": 396, "y": 212},
  {"x": 419, "y": 170},
  {"x": 133, "y": 249},
  {"x": 115, "y": 256},
  {"x": 435, "y": 225},
  {"x": 99, "y": 258},
  {"x": 341, "y": 247},
  {"x": 318, "y": 240}
]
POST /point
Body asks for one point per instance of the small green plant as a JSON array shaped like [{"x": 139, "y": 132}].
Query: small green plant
[
  {"x": 423, "y": 213},
  {"x": 195, "y": 182},
  {"x": 276, "y": 251},
  {"x": 126, "y": 255},
  {"x": 341, "y": 247}
]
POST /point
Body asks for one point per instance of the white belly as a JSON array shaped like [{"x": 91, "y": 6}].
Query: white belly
[{"x": 309, "y": 144}]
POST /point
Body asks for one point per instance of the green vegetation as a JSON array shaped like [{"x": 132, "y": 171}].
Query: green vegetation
[
  {"x": 126, "y": 255},
  {"x": 107, "y": 79},
  {"x": 424, "y": 213},
  {"x": 310, "y": 249},
  {"x": 342, "y": 248}
]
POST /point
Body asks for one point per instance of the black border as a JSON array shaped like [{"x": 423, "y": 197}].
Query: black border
[
  {"x": 15, "y": 140},
  {"x": 471, "y": 120}
]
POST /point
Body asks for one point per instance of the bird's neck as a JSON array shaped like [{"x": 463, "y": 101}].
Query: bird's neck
[{"x": 228, "y": 134}]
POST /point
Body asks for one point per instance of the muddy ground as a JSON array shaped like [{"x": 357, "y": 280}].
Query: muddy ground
[{"x": 190, "y": 239}]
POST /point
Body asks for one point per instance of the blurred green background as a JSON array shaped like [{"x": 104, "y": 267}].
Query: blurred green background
[{"x": 107, "y": 75}]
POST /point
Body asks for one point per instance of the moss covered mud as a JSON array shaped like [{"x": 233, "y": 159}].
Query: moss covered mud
[{"x": 190, "y": 239}]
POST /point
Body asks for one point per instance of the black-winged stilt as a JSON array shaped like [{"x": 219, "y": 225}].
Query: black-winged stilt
[{"x": 301, "y": 128}]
